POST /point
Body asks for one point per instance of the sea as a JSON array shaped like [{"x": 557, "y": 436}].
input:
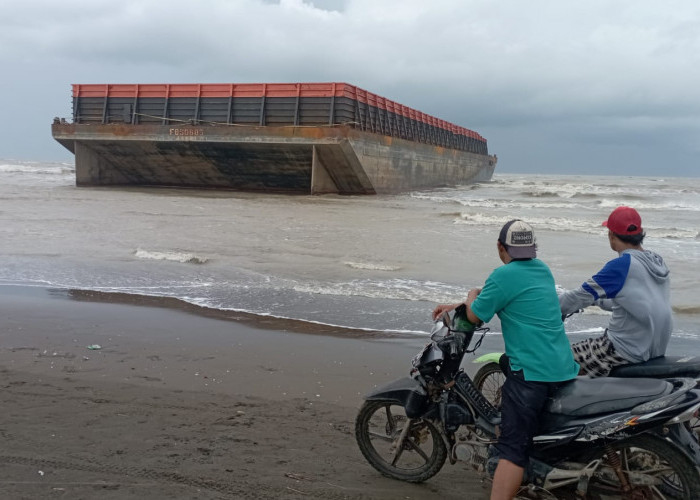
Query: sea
[{"x": 357, "y": 263}]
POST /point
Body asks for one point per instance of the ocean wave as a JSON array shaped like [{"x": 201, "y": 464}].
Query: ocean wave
[
  {"x": 567, "y": 186},
  {"x": 544, "y": 194},
  {"x": 686, "y": 335},
  {"x": 569, "y": 224},
  {"x": 520, "y": 194},
  {"x": 672, "y": 233},
  {"x": 595, "y": 311},
  {"x": 645, "y": 205},
  {"x": 548, "y": 223},
  {"x": 488, "y": 203},
  {"x": 686, "y": 310},
  {"x": 565, "y": 190},
  {"x": 183, "y": 257},
  {"x": 37, "y": 168},
  {"x": 596, "y": 329},
  {"x": 371, "y": 266},
  {"x": 394, "y": 289}
]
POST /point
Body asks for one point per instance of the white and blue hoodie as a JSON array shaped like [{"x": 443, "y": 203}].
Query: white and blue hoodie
[{"x": 636, "y": 288}]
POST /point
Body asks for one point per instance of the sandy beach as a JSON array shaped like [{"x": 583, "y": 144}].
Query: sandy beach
[{"x": 115, "y": 397}]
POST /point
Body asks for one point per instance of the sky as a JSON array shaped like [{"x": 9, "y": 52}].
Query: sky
[{"x": 606, "y": 87}]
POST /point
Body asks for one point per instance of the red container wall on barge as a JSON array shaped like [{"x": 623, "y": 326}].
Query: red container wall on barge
[{"x": 333, "y": 137}]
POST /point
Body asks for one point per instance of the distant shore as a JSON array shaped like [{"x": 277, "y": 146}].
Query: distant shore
[{"x": 114, "y": 396}]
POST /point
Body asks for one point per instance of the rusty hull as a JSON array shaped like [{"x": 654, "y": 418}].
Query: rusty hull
[{"x": 296, "y": 159}]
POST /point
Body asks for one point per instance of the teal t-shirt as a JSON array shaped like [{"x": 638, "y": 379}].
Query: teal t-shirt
[{"x": 523, "y": 295}]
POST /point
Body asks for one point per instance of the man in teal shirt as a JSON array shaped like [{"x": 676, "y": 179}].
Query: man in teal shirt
[{"x": 539, "y": 356}]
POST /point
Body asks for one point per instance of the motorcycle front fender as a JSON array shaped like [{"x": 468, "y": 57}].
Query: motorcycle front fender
[
  {"x": 491, "y": 357},
  {"x": 406, "y": 392}
]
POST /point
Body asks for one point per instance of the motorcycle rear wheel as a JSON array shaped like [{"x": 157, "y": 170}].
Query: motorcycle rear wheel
[
  {"x": 378, "y": 429},
  {"x": 489, "y": 380},
  {"x": 675, "y": 475}
]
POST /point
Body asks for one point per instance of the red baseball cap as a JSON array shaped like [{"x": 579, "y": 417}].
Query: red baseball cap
[{"x": 624, "y": 220}]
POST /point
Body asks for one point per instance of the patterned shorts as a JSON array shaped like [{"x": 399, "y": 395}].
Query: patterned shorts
[{"x": 597, "y": 356}]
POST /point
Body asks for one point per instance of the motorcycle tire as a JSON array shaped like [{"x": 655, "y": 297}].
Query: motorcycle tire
[
  {"x": 649, "y": 455},
  {"x": 378, "y": 428},
  {"x": 489, "y": 380}
]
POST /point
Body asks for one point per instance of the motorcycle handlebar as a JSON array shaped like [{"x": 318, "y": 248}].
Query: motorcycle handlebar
[{"x": 567, "y": 316}]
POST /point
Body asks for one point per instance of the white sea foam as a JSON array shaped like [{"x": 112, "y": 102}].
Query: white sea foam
[
  {"x": 548, "y": 223},
  {"x": 591, "y": 310},
  {"x": 587, "y": 330},
  {"x": 645, "y": 205},
  {"x": 184, "y": 257},
  {"x": 36, "y": 168},
  {"x": 371, "y": 266},
  {"x": 490, "y": 203},
  {"x": 395, "y": 289},
  {"x": 570, "y": 224},
  {"x": 686, "y": 335}
]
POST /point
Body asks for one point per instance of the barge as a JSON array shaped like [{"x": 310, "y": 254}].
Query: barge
[{"x": 299, "y": 137}]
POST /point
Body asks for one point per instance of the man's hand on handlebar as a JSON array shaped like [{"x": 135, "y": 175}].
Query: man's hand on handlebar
[{"x": 441, "y": 309}]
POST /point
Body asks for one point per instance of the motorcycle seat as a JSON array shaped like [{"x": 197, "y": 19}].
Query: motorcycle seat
[
  {"x": 663, "y": 366},
  {"x": 590, "y": 396}
]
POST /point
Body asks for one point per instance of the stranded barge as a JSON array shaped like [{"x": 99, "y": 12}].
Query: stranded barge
[{"x": 299, "y": 137}]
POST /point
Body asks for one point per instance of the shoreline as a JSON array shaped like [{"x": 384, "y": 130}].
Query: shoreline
[
  {"x": 260, "y": 321},
  {"x": 180, "y": 405}
]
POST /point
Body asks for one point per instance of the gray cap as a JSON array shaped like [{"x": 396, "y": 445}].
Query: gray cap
[{"x": 519, "y": 239}]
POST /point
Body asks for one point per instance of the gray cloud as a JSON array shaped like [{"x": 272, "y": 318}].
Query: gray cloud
[{"x": 579, "y": 86}]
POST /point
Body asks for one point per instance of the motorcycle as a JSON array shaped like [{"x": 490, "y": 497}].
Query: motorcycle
[
  {"x": 490, "y": 378},
  {"x": 596, "y": 438}
]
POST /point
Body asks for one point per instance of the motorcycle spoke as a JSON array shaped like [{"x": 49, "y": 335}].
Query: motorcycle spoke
[
  {"x": 391, "y": 422},
  {"x": 417, "y": 449},
  {"x": 658, "y": 493},
  {"x": 399, "y": 446},
  {"x": 382, "y": 437},
  {"x": 395, "y": 460}
]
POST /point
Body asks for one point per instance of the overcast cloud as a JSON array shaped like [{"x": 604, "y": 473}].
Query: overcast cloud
[{"x": 600, "y": 87}]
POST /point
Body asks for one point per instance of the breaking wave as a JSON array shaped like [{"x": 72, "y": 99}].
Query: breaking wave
[
  {"x": 550, "y": 223},
  {"x": 570, "y": 224},
  {"x": 37, "y": 168},
  {"x": 183, "y": 257},
  {"x": 686, "y": 309},
  {"x": 394, "y": 289},
  {"x": 371, "y": 267}
]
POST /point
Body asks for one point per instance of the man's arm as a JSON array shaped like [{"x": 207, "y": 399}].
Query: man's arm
[
  {"x": 471, "y": 297},
  {"x": 600, "y": 288},
  {"x": 573, "y": 300},
  {"x": 441, "y": 309}
]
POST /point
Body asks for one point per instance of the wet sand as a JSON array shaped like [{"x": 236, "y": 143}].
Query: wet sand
[{"x": 115, "y": 397}]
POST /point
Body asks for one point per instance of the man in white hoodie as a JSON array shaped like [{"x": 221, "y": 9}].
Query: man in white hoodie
[{"x": 635, "y": 286}]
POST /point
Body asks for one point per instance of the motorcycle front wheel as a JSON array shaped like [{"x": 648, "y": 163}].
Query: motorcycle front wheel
[
  {"x": 653, "y": 467},
  {"x": 411, "y": 450}
]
